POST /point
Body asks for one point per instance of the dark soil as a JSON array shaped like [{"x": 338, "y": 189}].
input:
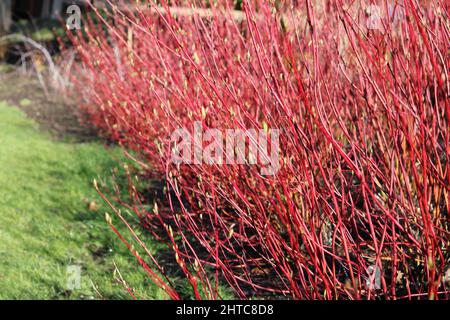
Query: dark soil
[{"x": 53, "y": 112}]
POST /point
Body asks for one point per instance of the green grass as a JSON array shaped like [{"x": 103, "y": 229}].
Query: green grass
[{"x": 46, "y": 224}]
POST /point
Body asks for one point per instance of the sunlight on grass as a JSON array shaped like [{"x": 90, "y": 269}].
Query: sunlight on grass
[{"x": 51, "y": 218}]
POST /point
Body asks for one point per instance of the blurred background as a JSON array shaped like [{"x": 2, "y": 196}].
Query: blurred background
[
  {"x": 37, "y": 19},
  {"x": 54, "y": 241}
]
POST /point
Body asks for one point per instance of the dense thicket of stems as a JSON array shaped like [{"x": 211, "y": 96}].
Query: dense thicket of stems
[{"x": 365, "y": 140}]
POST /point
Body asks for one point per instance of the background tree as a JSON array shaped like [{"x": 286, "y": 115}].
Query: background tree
[
  {"x": 5, "y": 15},
  {"x": 5, "y": 22}
]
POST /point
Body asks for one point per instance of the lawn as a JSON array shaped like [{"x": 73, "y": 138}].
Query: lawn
[{"x": 52, "y": 220}]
